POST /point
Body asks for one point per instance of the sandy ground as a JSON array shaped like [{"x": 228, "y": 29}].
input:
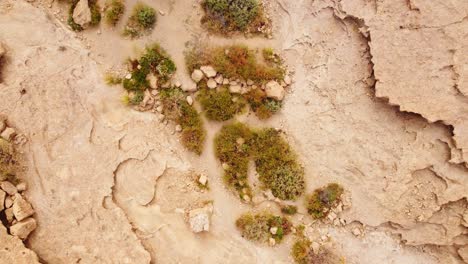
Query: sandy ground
[{"x": 111, "y": 185}]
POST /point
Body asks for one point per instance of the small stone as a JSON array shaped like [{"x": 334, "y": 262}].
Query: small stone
[
  {"x": 331, "y": 216},
  {"x": 159, "y": 109},
  {"x": 177, "y": 84},
  {"x": 21, "y": 187},
  {"x": 2, "y": 200},
  {"x": 9, "y": 215},
  {"x": 208, "y": 71},
  {"x": 189, "y": 100},
  {"x": 250, "y": 82},
  {"x": 203, "y": 179},
  {"x": 219, "y": 79},
  {"x": 211, "y": 83},
  {"x": 8, "y": 202},
  {"x": 315, "y": 247},
  {"x": 342, "y": 221},
  {"x": 240, "y": 141},
  {"x": 154, "y": 92},
  {"x": 8, "y": 187},
  {"x": 274, "y": 90},
  {"x": 246, "y": 198},
  {"x": 336, "y": 222},
  {"x": 225, "y": 81},
  {"x": 356, "y": 232},
  {"x": 235, "y": 89},
  {"x": 178, "y": 128},
  {"x": 197, "y": 75},
  {"x": 287, "y": 80},
  {"x": 271, "y": 242},
  {"x": 23, "y": 228},
  {"x": 199, "y": 219},
  {"x": 128, "y": 76},
  {"x": 189, "y": 86},
  {"x": 162, "y": 13},
  {"x": 22, "y": 208},
  {"x": 152, "y": 80},
  {"x": 273, "y": 230},
  {"x": 8, "y": 134},
  {"x": 233, "y": 83},
  {"x": 225, "y": 166}
]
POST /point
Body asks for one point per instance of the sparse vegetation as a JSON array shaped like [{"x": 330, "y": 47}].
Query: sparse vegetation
[
  {"x": 114, "y": 11},
  {"x": 263, "y": 107},
  {"x": 142, "y": 20},
  {"x": 236, "y": 61},
  {"x": 220, "y": 105},
  {"x": 302, "y": 253},
  {"x": 176, "y": 108},
  {"x": 225, "y": 16},
  {"x": 289, "y": 209},
  {"x": 257, "y": 227},
  {"x": 74, "y": 26},
  {"x": 155, "y": 61},
  {"x": 95, "y": 15},
  {"x": 275, "y": 162},
  {"x": 322, "y": 200},
  {"x": 301, "y": 250},
  {"x": 111, "y": 79}
]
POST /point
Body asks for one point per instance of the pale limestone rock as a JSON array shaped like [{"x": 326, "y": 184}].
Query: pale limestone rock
[
  {"x": 211, "y": 83},
  {"x": 274, "y": 230},
  {"x": 22, "y": 208},
  {"x": 21, "y": 187},
  {"x": 8, "y": 133},
  {"x": 274, "y": 90},
  {"x": 235, "y": 89},
  {"x": 82, "y": 13},
  {"x": 2, "y": 200},
  {"x": 199, "y": 219},
  {"x": 315, "y": 247},
  {"x": 219, "y": 79},
  {"x": 271, "y": 242},
  {"x": 8, "y": 202},
  {"x": 189, "y": 86},
  {"x": 197, "y": 75},
  {"x": 13, "y": 250},
  {"x": 189, "y": 100},
  {"x": 287, "y": 80},
  {"x": 23, "y": 228},
  {"x": 152, "y": 80},
  {"x": 178, "y": 128},
  {"x": 356, "y": 231},
  {"x": 203, "y": 180},
  {"x": 250, "y": 82},
  {"x": 209, "y": 71},
  {"x": 8, "y": 187},
  {"x": 225, "y": 81}
]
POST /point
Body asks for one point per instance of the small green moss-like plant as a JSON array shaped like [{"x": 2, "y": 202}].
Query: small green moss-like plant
[
  {"x": 300, "y": 251},
  {"x": 142, "y": 20},
  {"x": 225, "y": 16},
  {"x": 256, "y": 227},
  {"x": 289, "y": 209},
  {"x": 95, "y": 13},
  {"x": 220, "y": 105},
  {"x": 111, "y": 79},
  {"x": 277, "y": 165},
  {"x": 232, "y": 149},
  {"x": 262, "y": 106},
  {"x": 177, "y": 109},
  {"x": 322, "y": 200},
  {"x": 137, "y": 98},
  {"x": 114, "y": 11}
]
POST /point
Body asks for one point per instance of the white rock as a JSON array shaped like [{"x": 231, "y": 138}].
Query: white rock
[
  {"x": 128, "y": 76},
  {"x": 152, "y": 80},
  {"x": 21, "y": 187},
  {"x": 250, "y": 82},
  {"x": 2, "y": 200},
  {"x": 177, "y": 84},
  {"x": 246, "y": 198},
  {"x": 23, "y": 228},
  {"x": 159, "y": 109},
  {"x": 8, "y": 187},
  {"x": 189, "y": 86},
  {"x": 208, "y": 71},
  {"x": 331, "y": 216},
  {"x": 199, "y": 219},
  {"x": 8, "y": 202},
  {"x": 226, "y": 81},
  {"x": 211, "y": 83},
  {"x": 8, "y": 133},
  {"x": 197, "y": 75},
  {"x": 272, "y": 242},
  {"x": 82, "y": 13},
  {"x": 203, "y": 179},
  {"x": 225, "y": 166},
  {"x": 287, "y": 80},
  {"x": 189, "y": 100},
  {"x": 274, "y": 90},
  {"x": 274, "y": 230},
  {"x": 219, "y": 79},
  {"x": 235, "y": 89},
  {"x": 315, "y": 247},
  {"x": 178, "y": 128},
  {"x": 22, "y": 208},
  {"x": 356, "y": 232}
]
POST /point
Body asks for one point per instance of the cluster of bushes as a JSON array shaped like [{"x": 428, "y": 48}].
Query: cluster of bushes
[
  {"x": 95, "y": 14},
  {"x": 142, "y": 20},
  {"x": 226, "y": 16},
  {"x": 322, "y": 200},
  {"x": 220, "y": 105},
  {"x": 7, "y": 162},
  {"x": 302, "y": 253},
  {"x": 257, "y": 227},
  {"x": 275, "y": 162},
  {"x": 176, "y": 108},
  {"x": 114, "y": 11},
  {"x": 154, "y": 61}
]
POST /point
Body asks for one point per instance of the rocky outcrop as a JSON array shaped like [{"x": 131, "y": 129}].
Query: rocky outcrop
[
  {"x": 14, "y": 251},
  {"x": 82, "y": 13},
  {"x": 199, "y": 219}
]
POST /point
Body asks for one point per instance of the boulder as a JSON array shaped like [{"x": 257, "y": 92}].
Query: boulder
[
  {"x": 2, "y": 200},
  {"x": 199, "y": 219},
  {"x": 211, "y": 83},
  {"x": 22, "y": 229},
  {"x": 274, "y": 90},
  {"x": 8, "y": 187},
  {"x": 197, "y": 75},
  {"x": 8, "y": 133},
  {"x": 82, "y": 13},
  {"x": 22, "y": 208},
  {"x": 208, "y": 71}
]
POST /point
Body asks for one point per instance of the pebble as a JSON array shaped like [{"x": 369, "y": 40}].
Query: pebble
[
  {"x": 189, "y": 100},
  {"x": 356, "y": 232},
  {"x": 178, "y": 128}
]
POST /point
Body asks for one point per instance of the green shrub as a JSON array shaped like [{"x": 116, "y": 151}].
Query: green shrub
[
  {"x": 224, "y": 16},
  {"x": 322, "y": 200},
  {"x": 256, "y": 227},
  {"x": 112, "y": 79},
  {"x": 262, "y": 106},
  {"x": 142, "y": 19},
  {"x": 95, "y": 13},
  {"x": 289, "y": 209},
  {"x": 137, "y": 98},
  {"x": 277, "y": 165},
  {"x": 300, "y": 251},
  {"x": 114, "y": 12},
  {"x": 220, "y": 105},
  {"x": 177, "y": 109}
]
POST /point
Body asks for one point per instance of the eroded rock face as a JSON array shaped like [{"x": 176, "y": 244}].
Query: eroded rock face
[{"x": 13, "y": 250}]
